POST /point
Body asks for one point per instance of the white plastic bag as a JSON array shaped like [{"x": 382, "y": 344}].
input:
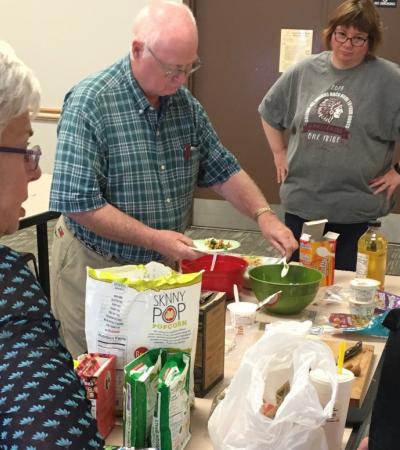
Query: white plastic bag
[{"x": 283, "y": 353}]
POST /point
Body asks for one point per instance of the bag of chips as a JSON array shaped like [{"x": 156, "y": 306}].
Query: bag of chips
[
  {"x": 132, "y": 309},
  {"x": 171, "y": 423},
  {"x": 140, "y": 396}
]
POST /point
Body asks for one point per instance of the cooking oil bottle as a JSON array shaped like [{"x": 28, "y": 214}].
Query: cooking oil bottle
[{"x": 372, "y": 254}]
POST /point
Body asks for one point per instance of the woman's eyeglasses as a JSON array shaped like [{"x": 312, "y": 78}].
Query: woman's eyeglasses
[
  {"x": 31, "y": 156},
  {"x": 356, "y": 41}
]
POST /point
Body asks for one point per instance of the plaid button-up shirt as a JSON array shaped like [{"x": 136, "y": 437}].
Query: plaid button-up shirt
[{"x": 114, "y": 147}]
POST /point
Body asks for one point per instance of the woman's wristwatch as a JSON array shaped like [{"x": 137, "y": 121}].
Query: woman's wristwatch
[{"x": 396, "y": 167}]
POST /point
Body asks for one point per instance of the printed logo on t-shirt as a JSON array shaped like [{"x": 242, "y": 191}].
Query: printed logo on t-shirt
[{"x": 328, "y": 117}]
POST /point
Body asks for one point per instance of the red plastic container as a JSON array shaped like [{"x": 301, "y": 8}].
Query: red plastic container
[{"x": 228, "y": 271}]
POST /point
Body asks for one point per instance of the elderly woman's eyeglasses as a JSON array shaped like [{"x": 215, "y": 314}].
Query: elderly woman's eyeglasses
[
  {"x": 31, "y": 156},
  {"x": 174, "y": 72},
  {"x": 356, "y": 41}
]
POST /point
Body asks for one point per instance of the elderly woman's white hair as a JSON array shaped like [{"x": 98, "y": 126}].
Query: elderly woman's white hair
[{"x": 19, "y": 88}]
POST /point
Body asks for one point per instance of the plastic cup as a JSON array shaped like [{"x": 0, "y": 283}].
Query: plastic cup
[
  {"x": 242, "y": 313},
  {"x": 243, "y": 318},
  {"x": 334, "y": 426},
  {"x": 364, "y": 289},
  {"x": 362, "y": 308}
]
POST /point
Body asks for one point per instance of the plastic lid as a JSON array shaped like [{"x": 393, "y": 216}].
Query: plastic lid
[
  {"x": 374, "y": 223},
  {"x": 364, "y": 283},
  {"x": 242, "y": 307},
  {"x": 319, "y": 375}
]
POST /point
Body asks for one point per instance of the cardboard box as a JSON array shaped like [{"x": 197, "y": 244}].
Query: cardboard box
[
  {"x": 97, "y": 372},
  {"x": 210, "y": 350},
  {"x": 318, "y": 250}
]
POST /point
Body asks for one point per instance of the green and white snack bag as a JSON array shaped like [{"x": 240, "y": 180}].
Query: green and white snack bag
[
  {"x": 140, "y": 396},
  {"x": 135, "y": 308},
  {"x": 170, "y": 429}
]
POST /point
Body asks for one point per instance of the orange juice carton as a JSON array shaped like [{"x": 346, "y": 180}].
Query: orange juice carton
[
  {"x": 97, "y": 373},
  {"x": 318, "y": 250}
]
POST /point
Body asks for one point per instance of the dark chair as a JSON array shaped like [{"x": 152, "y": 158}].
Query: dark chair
[
  {"x": 384, "y": 433},
  {"x": 30, "y": 258}
]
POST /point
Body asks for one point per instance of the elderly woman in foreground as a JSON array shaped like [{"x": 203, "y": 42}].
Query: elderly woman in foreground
[{"x": 42, "y": 402}]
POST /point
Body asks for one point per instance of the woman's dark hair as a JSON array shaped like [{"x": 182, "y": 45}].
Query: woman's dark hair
[{"x": 360, "y": 14}]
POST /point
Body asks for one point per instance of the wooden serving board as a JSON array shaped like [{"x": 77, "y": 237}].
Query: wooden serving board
[{"x": 364, "y": 359}]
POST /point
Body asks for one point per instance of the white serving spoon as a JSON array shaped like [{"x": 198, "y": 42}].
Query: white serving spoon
[
  {"x": 214, "y": 260},
  {"x": 270, "y": 299},
  {"x": 236, "y": 293},
  {"x": 285, "y": 268}
]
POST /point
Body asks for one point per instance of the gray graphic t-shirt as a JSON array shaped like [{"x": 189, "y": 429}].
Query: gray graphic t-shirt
[{"x": 342, "y": 126}]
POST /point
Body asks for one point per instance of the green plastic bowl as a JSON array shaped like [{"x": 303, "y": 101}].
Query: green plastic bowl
[{"x": 299, "y": 287}]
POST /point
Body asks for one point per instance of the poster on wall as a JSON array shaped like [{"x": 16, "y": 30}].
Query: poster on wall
[
  {"x": 386, "y": 3},
  {"x": 295, "y": 46}
]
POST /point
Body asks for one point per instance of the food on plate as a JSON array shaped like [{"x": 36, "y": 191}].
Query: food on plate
[
  {"x": 253, "y": 261},
  {"x": 217, "y": 244}
]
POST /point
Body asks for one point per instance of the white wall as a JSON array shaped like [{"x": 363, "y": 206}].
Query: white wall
[{"x": 63, "y": 42}]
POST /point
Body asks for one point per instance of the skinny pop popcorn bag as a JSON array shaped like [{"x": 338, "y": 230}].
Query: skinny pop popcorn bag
[{"x": 132, "y": 309}]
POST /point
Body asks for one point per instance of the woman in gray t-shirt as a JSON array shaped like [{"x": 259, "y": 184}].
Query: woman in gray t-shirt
[{"x": 342, "y": 110}]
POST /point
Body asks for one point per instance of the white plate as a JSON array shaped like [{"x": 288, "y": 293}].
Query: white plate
[
  {"x": 255, "y": 261},
  {"x": 202, "y": 245}
]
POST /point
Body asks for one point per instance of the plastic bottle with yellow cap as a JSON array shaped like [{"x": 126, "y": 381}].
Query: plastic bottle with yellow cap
[{"x": 372, "y": 254}]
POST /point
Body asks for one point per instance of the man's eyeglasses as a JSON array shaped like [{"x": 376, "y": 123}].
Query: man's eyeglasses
[
  {"x": 31, "y": 156},
  {"x": 174, "y": 72},
  {"x": 356, "y": 41}
]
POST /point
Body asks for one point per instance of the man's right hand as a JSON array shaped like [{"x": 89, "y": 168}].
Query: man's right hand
[{"x": 173, "y": 245}]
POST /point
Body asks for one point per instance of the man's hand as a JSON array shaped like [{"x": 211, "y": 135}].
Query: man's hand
[
  {"x": 277, "y": 233},
  {"x": 173, "y": 245}
]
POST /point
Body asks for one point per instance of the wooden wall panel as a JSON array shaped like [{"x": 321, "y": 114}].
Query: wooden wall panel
[{"x": 239, "y": 45}]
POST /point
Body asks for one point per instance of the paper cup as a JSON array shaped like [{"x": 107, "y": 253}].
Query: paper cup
[
  {"x": 334, "y": 427},
  {"x": 242, "y": 313},
  {"x": 364, "y": 289}
]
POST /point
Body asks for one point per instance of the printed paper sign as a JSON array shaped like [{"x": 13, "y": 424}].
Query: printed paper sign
[{"x": 295, "y": 46}]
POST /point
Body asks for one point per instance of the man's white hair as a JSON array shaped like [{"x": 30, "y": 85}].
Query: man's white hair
[
  {"x": 19, "y": 88},
  {"x": 156, "y": 18}
]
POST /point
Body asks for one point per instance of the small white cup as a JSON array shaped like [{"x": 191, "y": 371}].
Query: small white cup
[
  {"x": 334, "y": 427},
  {"x": 364, "y": 289},
  {"x": 242, "y": 313},
  {"x": 362, "y": 308}
]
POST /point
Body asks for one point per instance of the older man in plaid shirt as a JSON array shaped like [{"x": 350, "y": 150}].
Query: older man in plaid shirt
[{"x": 133, "y": 144}]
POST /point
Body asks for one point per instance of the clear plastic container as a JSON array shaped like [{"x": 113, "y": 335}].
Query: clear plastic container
[{"x": 372, "y": 254}]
